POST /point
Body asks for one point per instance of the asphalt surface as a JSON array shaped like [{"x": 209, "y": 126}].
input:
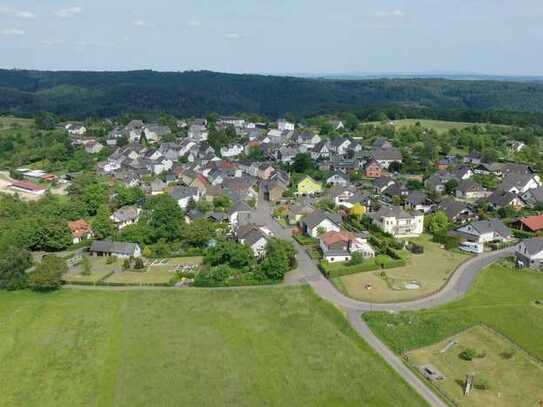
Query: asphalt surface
[{"x": 308, "y": 272}]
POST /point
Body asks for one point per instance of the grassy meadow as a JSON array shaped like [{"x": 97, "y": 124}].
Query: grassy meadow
[{"x": 259, "y": 346}]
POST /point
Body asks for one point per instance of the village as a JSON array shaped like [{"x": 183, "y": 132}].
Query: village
[{"x": 348, "y": 201}]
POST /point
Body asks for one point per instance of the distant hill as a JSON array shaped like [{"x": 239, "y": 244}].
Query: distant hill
[{"x": 82, "y": 94}]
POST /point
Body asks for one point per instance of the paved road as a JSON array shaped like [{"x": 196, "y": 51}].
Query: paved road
[{"x": 307, "y": 271}]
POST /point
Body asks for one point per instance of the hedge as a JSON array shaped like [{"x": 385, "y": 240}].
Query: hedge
[
  {"x": 305, "y": 240},
  {"x": 522, "y": 234},
  {"x": 332, "y": 270}
]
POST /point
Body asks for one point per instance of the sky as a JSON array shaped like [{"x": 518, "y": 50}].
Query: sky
[{"x": 501, "y": 37}]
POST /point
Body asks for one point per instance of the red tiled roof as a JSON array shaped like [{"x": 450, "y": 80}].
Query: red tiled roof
[
  {"x": 29, "y": 186},
  {"x": 79, "y": 228},
  {"x": 533, "y": 223},
  {"x": 329, "y": 238}
]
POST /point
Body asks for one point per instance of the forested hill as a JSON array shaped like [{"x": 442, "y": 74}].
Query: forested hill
[{"x": 82, "y": 94}]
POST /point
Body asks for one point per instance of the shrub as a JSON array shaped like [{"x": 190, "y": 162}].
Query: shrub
[
  {"x": 468, "y": 354},
  {"x": 356, "y": 259},
  {"x": 508, "y": 354},
  {"x": 138, "y": 264},
  {"x": 481, "y": 384},
  {"x": 48, "y": 274},
  {"x": 111, "y": 260}
]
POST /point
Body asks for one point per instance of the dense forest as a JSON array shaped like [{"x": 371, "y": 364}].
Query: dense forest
[{"x": 78, "y": 95}]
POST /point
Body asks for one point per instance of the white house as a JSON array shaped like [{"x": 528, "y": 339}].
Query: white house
[
  {"x": 320, "y": 222},
  {"x": 337, "y": 179},
  {"x": 485, "y": 231},
  {"x": 75, "y": 129},
  {"x": 283, "y": 125},
  {"x": 185, "y": 195},
  {"x": 232, "y": 151},
  {"x": 127, "y": 215},
  {"x": 340, "y": 246},
  {"x": 398, "y": 222},
  {"x": 529, "y": 253}
]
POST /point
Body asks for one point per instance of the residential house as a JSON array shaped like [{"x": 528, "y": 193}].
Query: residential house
[
  {"x": 185, "y": 195},
  {"x": 340, "y": 246},
  {"x": 373, "y": 169},
  {"x": 308, "y": 186},
  {"x": 273, "y": 190},
  {"x": 93, "y": 147},
  {"x": 471, "y": 190},
  {"x": 319, "y": 222},
  {"x": 117, "y": 249},
  {"x": 75, "y": 129},
  {"x": 283, "y": 125},
  {"x": 418, "y": 201},
  {"x": 519, "y": 183},
  {"x": 127, "y": 215},
  {"x": 382, "y": 183},
  {"x": 485, "y": 231},
  {"x": 456, "y": 211},
  {"x": 256, "y": 237},
  {"x": 533, "y": 197},
  {"x": 339, "y": 145},
  {"x": 81, "y": 230},
  {"x": 530, "y": 223},
  {"x": 386, "y": 156},
  {"x": 529, "y": 253},
  {"x": 337, "y": 179},
  {"x": 500, "y": 199},
  {"x": 398, "y": 222}
]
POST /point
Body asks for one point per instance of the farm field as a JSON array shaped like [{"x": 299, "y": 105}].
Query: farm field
[
  {"x": 7, "y": 122},
  {"x": 430, "y": 271},
  {"x": 260, "y": 346},
  {"x": 513, "y": 378},
  {"x": 502, "y": 298}
]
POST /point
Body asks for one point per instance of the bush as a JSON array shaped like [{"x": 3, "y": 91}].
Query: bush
[
  {"x": 415, "y": 248},
  {"x": 356, "y": 259},
  {"x": 468, "y": 354},
  {"x": 111, "y": 259},
  {"x": 138, "y": 264},
  {"x": 48, "y": 274},
  {"x": 481, "y": 384}
]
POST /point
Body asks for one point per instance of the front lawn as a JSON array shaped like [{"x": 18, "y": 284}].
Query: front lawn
[
  {"x": 249, "y": 347},
  {"x": 423, "y": 275},
  {"x": 512, "y": 376}
]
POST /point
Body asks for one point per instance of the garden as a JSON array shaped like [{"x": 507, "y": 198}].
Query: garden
[{"x": 413, "y": 276}]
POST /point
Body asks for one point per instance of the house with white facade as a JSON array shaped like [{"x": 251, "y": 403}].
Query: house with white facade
[
  {"x": 398, "y": 222},
  {"x": 484, "y": 231},
  {"x": 340, "y": 246},
  {"x": 320, "y": 222},
  {"x": 529, "y": 253}
]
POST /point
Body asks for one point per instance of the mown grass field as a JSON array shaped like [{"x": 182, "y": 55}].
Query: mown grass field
[
  {"x": 430, "y": 270},
  {"x": 502, "y": 298},
  {"x": 440, "y": 126},
  {"x": 513, "y": 378},
  {"x": 250, "y": 347}
]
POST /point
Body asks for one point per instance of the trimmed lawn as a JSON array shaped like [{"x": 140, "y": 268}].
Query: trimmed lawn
[
  {"x": 264, "y": 346},
  {"x": 430, "y": 271},
  {"x": 502, "y": 298},
  {"x": 93, "y": 278},
  {"x": 513, "y": 377}
]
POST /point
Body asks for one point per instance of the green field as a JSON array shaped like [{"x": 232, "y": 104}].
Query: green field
[
  {"x": 502, "y": 298},
  {"x": 7, "y": 122},
  {"x": 430, "y": 271},
  {"x": 440, "y": 126},
  {"x": 249, "y": 347},
  {"x": 513, "y": 378}
]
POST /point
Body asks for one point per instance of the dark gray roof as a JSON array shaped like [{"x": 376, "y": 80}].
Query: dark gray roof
[
  {"x": 533, "y": 246},
  {"x": 107, "y": 246},
  {"x": 315, "y": 218},
  {"x": 492, "y": 225}
]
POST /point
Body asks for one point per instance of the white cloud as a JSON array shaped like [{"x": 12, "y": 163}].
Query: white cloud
[
  {"x": 233, "y": 36},
  {"x": 194, "y": 23},
  {"x": 11, "y": 32},
  {"x": 11, "y": 12},
  {"x": 68, "y": 12},
  {"x": 141, "y": 23},
  {"x": 390, "y": 13}
]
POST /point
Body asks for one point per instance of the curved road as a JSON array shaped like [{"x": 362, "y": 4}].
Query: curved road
[{"x": 307, "y": 271}]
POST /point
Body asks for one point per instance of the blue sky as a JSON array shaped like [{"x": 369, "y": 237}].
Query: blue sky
[{"x": 275, "y": 36}]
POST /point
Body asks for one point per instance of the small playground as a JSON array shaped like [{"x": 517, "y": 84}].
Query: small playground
[{"x": 481, "y": 368}]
